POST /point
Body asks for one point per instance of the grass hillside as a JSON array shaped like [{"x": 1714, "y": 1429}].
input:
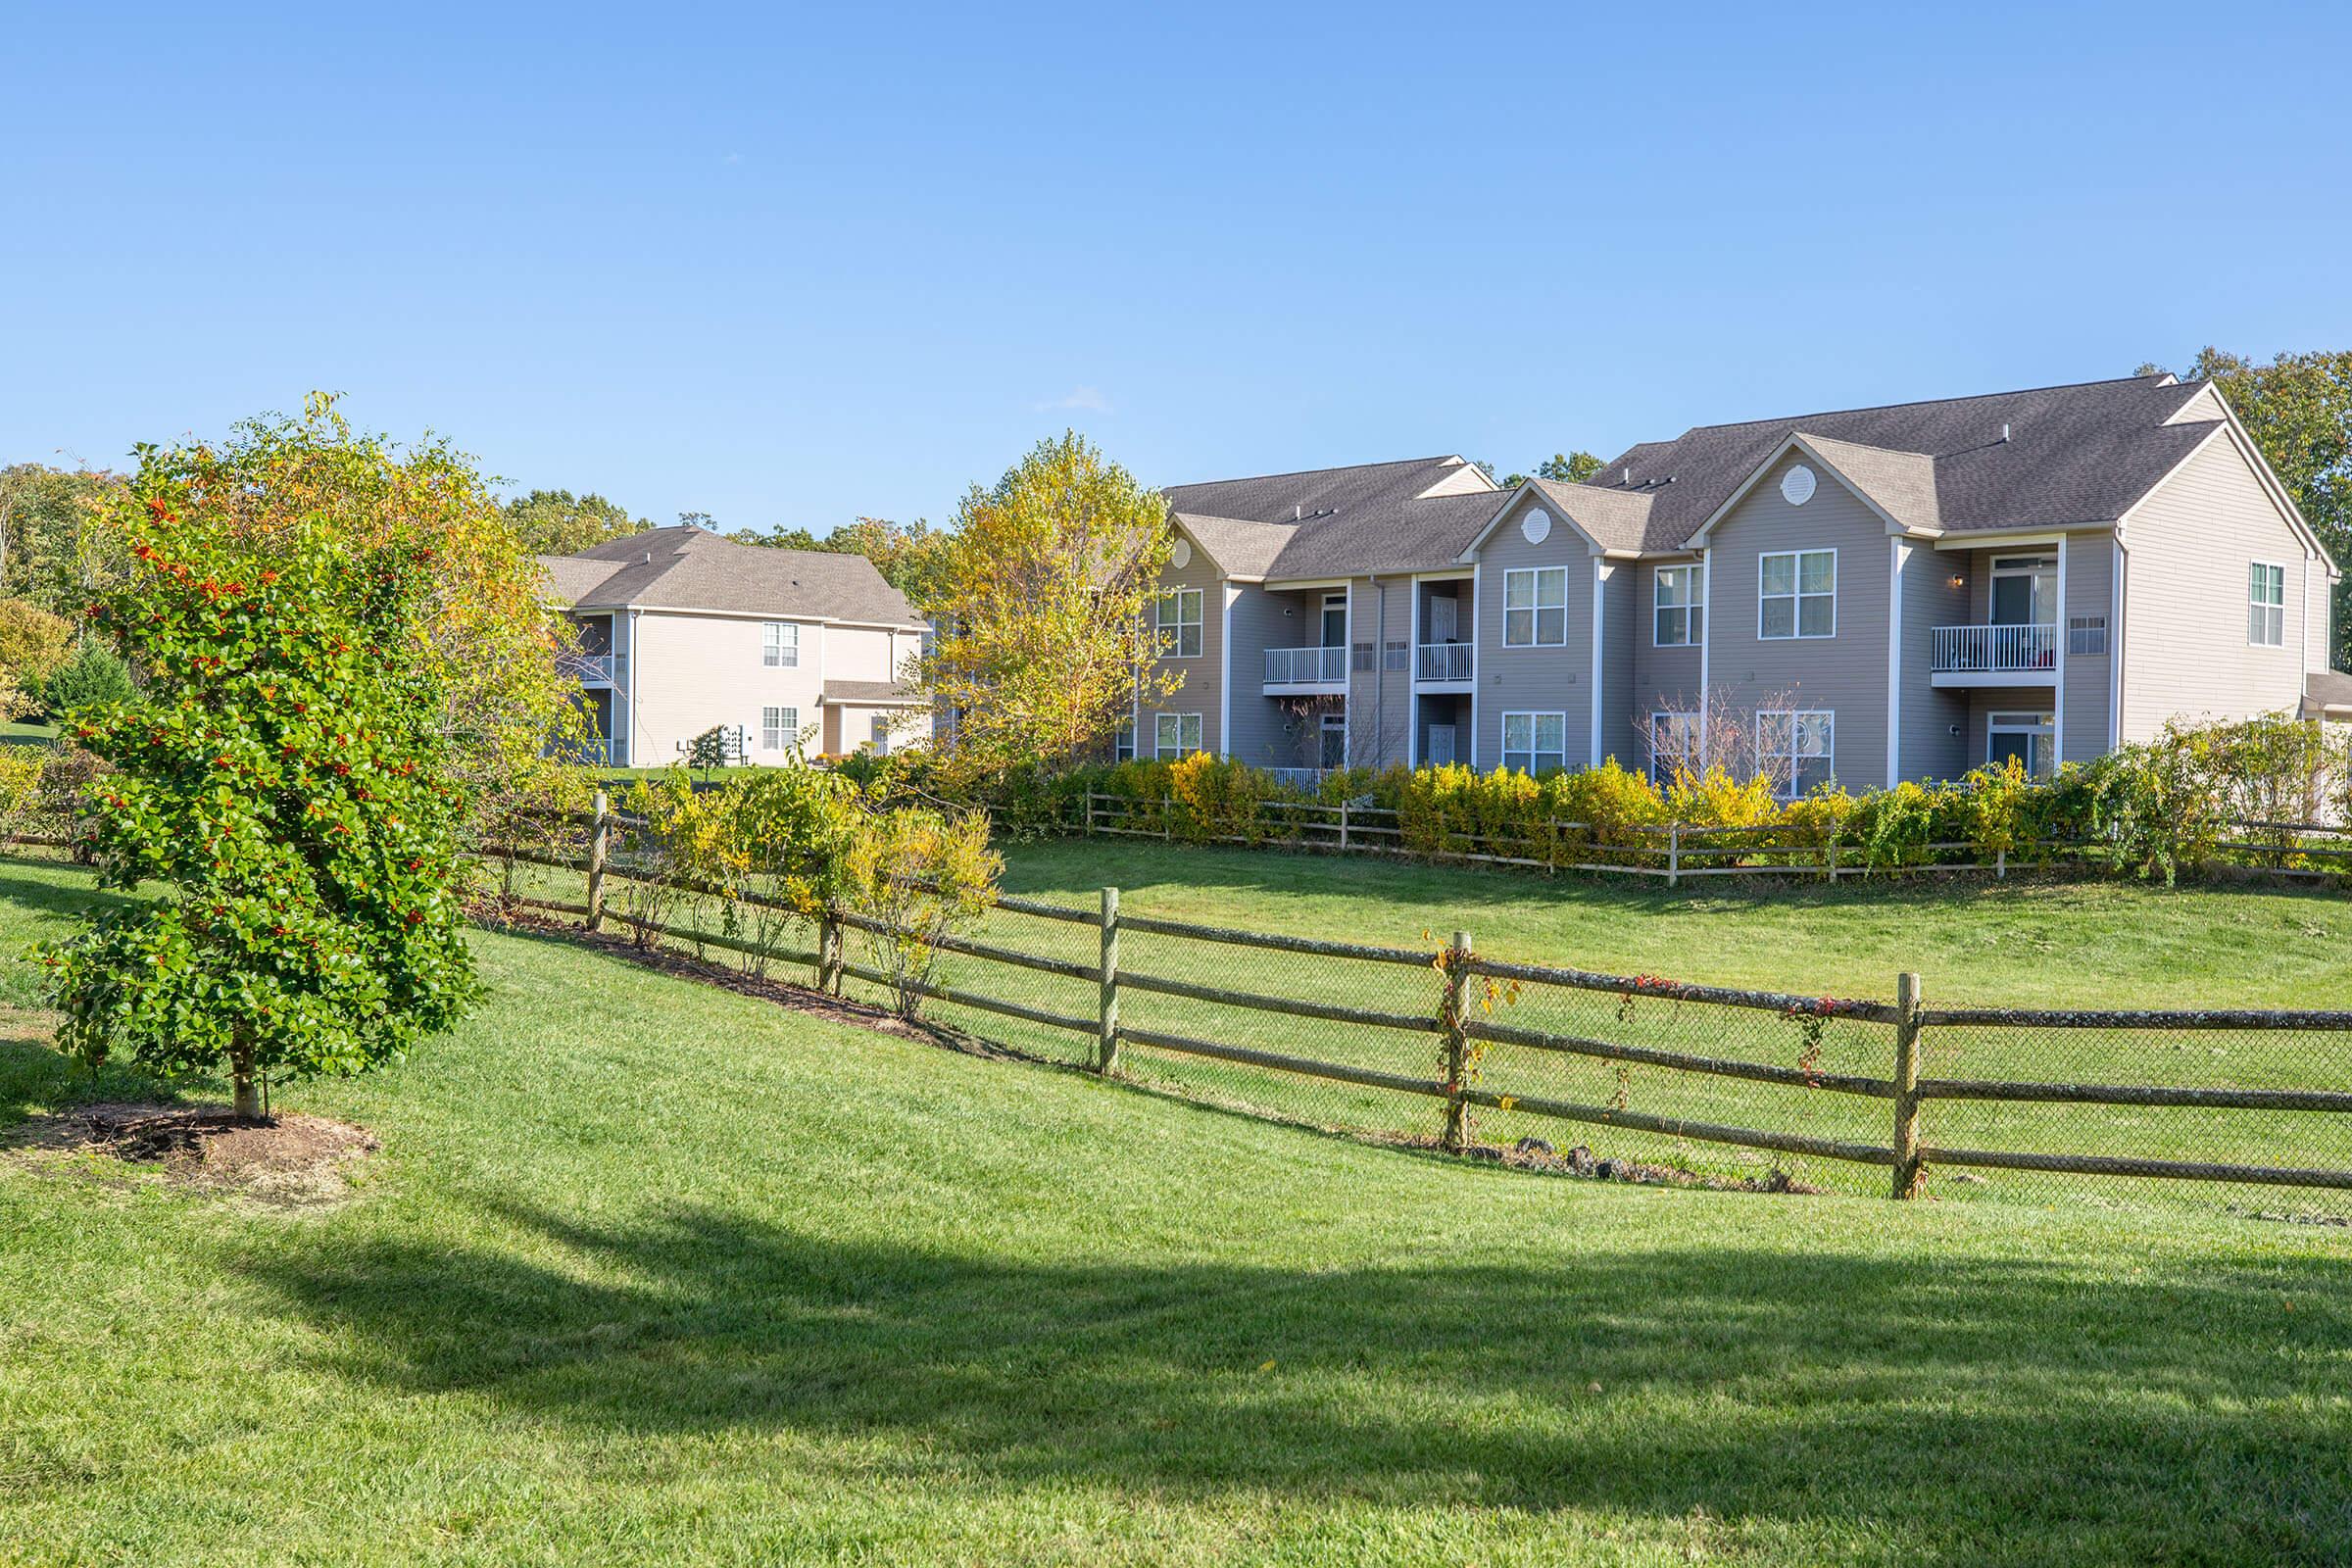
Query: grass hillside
[{"x": 648, "y": 1271}]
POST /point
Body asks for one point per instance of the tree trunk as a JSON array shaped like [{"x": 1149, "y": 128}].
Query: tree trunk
[{"x": 245, "y": 1101}]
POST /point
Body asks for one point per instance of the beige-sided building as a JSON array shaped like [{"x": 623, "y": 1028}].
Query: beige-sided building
[{"x": 683, "y": 631}]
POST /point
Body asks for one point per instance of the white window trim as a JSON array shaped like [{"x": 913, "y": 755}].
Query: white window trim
[
  {"x": 1536, "y": 608},
  {"x": 1797, "y": 597},
  {"x": 2023, "y": 721},
  {"x": 2279, "y": 566},
  {"x": 1171, "y": 633},
  {"x": 1159, "y": 750},
  {"x": 1788, "y": 789},
  {"x": 790, "y": 730},
  {"x": 1695, "y": 606},
  {"x": 779, "y": 653},
  {"x": 1532, "y": 751}
]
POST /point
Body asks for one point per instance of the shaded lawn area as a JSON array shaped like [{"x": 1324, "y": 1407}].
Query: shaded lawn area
[
  {"x": 1976, "y": 941},
  {"x": 648, "y": 1271}
]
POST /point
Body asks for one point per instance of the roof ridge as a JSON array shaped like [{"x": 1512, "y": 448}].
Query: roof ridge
[
  {"x": 1293, "y": 473},
  {"x": 1919, "y": 403}
]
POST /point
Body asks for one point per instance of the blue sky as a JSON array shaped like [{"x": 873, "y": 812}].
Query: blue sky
[{"x": 787, "y": 266}]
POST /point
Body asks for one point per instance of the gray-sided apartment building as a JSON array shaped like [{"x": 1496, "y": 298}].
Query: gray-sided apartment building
[{"x": 1868, "y": 594}]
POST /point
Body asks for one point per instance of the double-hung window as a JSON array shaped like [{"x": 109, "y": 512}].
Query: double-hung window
[
  {"x": 1796, "y": 592},
  {"x": 1680, "y": 617},
  {"x": 1793, "y": 747},
  {"x": 779, "y": 728},
  {"x": 1672, "y": 746},
  {"x": 1175, "y": 734},
  {"x": 2266, "y": 605},
  {"x": 780, "y": 645},
  {"x": 1179, "y": 613},
  {"x": 1535, "y": 744},
  {"x": 1123, "y": 747},
  {"x": 1535, "y": 606}
]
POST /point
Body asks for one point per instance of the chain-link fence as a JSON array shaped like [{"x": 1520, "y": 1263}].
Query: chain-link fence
[{"x": 1637, "y": 1077}]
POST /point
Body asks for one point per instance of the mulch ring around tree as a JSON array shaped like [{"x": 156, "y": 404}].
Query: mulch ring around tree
[{"x": 287, "y": 1161}]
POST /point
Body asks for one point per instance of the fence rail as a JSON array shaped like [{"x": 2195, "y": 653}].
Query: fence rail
[{"x": 2188, "y": 1101}]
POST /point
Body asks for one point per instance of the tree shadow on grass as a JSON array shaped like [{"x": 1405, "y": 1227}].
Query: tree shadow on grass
[{"x": 1936, "y": 1410}]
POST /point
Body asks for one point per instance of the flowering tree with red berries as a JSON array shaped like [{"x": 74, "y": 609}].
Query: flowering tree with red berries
[{"x": 284, "y": 768}]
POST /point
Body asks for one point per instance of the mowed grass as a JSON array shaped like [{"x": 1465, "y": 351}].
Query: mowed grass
[
  {"x": 1979, "y": 941},
  {"x": 2024, "y": 942},
  {"x": 650, "y": 1272}
]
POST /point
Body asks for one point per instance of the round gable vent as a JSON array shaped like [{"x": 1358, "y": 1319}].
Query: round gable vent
[
  {"x": 1796, "y": 486},
  {"x": 1180, "y": 553},
  {"x": 1535, "y": 526}
]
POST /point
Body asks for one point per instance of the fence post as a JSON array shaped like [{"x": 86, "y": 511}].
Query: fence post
[
  {"x": 829, "y": 956},
  {"x": 1832, "y": 854},
  {"x": 1906, "y": 1086},
  {"x": 599, "y": 839},
  {"x": 1342, "y": 826},
  {"x": 1674, "y": 853},
  {"x": 2000, "y": 863},
  {"x": 1456, "y": 1043},
  {"x": 1167, "y": 817},
  {"x": 1107, "y": 1044}
]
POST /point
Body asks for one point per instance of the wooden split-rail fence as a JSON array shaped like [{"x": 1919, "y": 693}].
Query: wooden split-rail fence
[{"x": 1906, "y": 1092}]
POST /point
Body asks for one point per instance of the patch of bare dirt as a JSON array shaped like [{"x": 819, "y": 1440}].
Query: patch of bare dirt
[
  {"x": 1534, "y": 1154},
  {"x": 288, "y": 1161}
]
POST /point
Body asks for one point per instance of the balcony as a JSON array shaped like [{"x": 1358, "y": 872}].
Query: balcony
[
  {"x": 1444, "y": 664},
  {"x": 1305, "y": 669},
  {"x": 592, "y": 670},
  {"x": 1995, "y": 655}
]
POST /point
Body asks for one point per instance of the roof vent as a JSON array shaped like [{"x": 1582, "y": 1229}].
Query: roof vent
[
  {"x": 1298, "y": 513},
  {"x": 649, "y": 558},
  {"x": 2004, "y": 432},
  {"x": 1629, "y": 476}
]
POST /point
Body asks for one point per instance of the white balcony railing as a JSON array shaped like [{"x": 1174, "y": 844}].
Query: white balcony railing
[
  {"x": 1994, "y": 650},
  {"x": 1298, "y": 778},
  {"x": 1446, "y": 662},
  {"x": 1307, "y": 666},
  {"x": 592, "y": 670}
]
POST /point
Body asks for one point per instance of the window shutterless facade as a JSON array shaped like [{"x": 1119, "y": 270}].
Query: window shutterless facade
[
  {"x": 1679, "y": 612},
  {"x": 1535, "y": 606},
  {"x": 1672, "y": 746},
  {"x": 779, "y": 728},
  {"x": 1796, "y": 592},
  {"x": 1535, "y": 744},
  {"x": 1796, "y": 747},
  {"x": 2266, "y": 605},
  {"x": 1179, "y": 614},
  {"x": 1123, "y": 746},
  {"x": 1175, "y": 735},
  {"x": 780, "y": 645}
]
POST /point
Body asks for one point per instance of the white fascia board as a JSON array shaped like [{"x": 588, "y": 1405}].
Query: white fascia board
[{"x": 1512, "y": 498}]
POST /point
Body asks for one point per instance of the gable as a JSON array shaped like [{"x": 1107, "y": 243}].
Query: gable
[{"x": 1764, "y": 517}]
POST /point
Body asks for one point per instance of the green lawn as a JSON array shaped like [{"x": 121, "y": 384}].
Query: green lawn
[
  {"x": 1976, "y": 941},
  {"x": 650, "y": 1272}
]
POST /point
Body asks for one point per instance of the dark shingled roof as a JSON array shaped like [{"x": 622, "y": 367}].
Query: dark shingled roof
[
  {"x": 2078, "y": 454},
  {"x": 1335, "y": 523},
  {"x": 693, "y": 569}
]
